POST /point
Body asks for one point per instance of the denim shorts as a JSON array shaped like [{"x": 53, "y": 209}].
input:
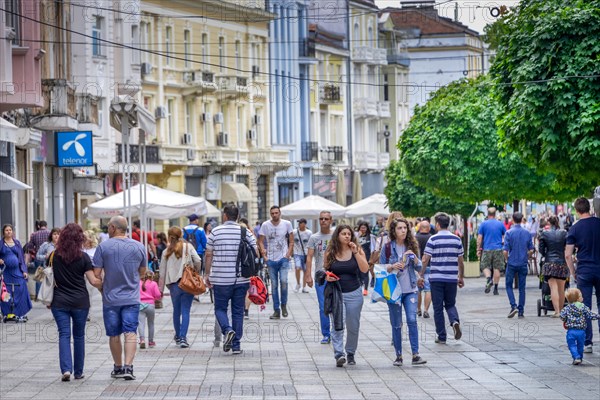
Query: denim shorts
[
  {"x": 121, "y": 319},
  {"x": 426, "y": 285},
  {"x": 300, "y": 262}
]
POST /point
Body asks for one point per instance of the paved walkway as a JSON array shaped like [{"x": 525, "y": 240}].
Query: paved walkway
[{"x": 498, "y": 358}]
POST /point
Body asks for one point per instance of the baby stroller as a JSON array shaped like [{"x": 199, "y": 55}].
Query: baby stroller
[
  {"x": 6, "y": 296},
  {"x": 545, "y": 303}
]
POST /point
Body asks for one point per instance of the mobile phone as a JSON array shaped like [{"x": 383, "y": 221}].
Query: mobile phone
[{"x": 331, "y": 274}]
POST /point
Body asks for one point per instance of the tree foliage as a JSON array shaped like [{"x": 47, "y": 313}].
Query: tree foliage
[
  {"x": 554, "y": 125},
  {"x": 451, "y": 149},
  {"x": 415, "y": 201}
]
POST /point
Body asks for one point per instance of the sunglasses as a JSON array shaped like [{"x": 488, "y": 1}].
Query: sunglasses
[{"x": 324, "y": 219}]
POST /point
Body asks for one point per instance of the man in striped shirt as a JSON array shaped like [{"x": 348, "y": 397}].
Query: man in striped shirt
[
  {"x": 222, "y": 248},
  {"x": 444, "y": 253}
]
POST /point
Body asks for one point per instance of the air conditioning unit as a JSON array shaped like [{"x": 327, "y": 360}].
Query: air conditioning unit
[
  {"x": 257, "y": 119},
  {"x": 189, "y": 77},
  {"x": 160, "y": 112},
  {"x": 219, "y": 118},
  {"x": 252, "y": 135},
  {"x": 206, "y": 117},
  {"x": 187, "y": 138},
  {"x": 146, "y": 68},
  {"x": 191, "y": 154},
  {"x": 223, "y": 139}
]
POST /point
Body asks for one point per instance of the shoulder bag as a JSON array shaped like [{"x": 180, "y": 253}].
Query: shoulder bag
[
  {"x": 46, "y": 293},
  {"x": 191, "y": 282}
]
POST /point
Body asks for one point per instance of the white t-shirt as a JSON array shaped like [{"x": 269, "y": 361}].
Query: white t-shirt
[
  {"x": 276, "y": 237},
  {"x": 301, "y": 249}
]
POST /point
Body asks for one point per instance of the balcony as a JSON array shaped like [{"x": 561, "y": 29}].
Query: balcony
[
  {"x": 87, "y": 108},
  {"x": 270, "y": 157},
  {"x": 310, "y": 151},
  {"x": 366, "y": 108},
  {"x": 201, "y": 82},
  {"x": 332, "y": 153},
  {"x": 398, "y": 57},
  {"x": 384, "y": 109},
  {"x": 369, "y": 55},
  {"x": 232, "y": 85},
  {"x": 59, "y": 111},
  {"x": 330, "y": 94},
  {"x": 307, "y": 48},
  {"x": 152, "y": 154},
  {"x": 371, "y": 160}
]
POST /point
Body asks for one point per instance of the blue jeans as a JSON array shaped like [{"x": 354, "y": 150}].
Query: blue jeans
[
  {"x": 121, "y": 319},
  {"x": 575, "y": 339},
  {"x": 223, "y": 294},
  {"x": 182, "y": 305},
  {"x": 63, "y": 317},
  {"x": 586, "y": 282},
  {"x": 325, "y": 321},
  {"x": 443, "y": 295},
  {"x": 278, "y": 272},
  {"x": 353, "y": 303},
  {"x": 409, "y": 302},
  {"x": 521, "y": 272}
]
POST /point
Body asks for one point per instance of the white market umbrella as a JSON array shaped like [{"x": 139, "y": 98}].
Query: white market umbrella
[
  {"x": 160, "y": 204},
  {"x": 310, "y": 207},
  {"x": 374, "y": 205},
  {"x": 212, "y": 211},
  {"x": 7, "y": 182}
]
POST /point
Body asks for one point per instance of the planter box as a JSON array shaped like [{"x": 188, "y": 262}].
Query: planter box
[{"x": 472, "y": 269}]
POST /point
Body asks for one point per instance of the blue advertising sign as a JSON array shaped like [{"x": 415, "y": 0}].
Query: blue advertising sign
[{"x": 74, "y": 149}]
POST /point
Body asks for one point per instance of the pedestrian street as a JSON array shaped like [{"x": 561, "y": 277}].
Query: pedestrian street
[{"x": 497, "y": 358}]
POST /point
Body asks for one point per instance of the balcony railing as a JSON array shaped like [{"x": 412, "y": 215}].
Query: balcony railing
[
  {"x": 384, "y": 109},
  {"x": 330, "y": 94},
  {"x": 152, "y": 156},
  {"x": 369, "y": 55},
  {"x": 310, "y": 151},
  {"x": 332, "y": 153},
  {"x": 59, "y": 98},
  {"x": 232, "y": 85},
  {"x": 398, "y": 57},
  {"x": 307, "y": 48},
  {"x": 366, "y": 108}
]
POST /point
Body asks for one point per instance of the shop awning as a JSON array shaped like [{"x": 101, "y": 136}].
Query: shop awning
[
  {"x": 8, "y": 131},
  {"x": 7, "y": 182},
  {"x": 235, "y": 192}
]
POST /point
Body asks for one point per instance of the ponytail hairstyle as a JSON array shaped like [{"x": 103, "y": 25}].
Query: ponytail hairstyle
[
  {"x": 175, "y": 242},
  {"x": 149, "y": 275}
]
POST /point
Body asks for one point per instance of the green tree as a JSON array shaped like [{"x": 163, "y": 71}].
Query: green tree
[
  {"x": 416, "y": 201},
  {"x": 451, "y": 148},
  {"x": 546, "y": 74}
]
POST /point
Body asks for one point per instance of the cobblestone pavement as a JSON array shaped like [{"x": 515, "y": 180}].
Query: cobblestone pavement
[{"x": 498, "y": 358}]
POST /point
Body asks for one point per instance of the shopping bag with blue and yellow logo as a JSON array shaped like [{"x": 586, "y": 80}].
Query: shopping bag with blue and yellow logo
[{"x": 387, "y": 289}]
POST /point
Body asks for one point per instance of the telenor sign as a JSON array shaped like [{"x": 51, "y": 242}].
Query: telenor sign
[{"x": 74, "y": 149}]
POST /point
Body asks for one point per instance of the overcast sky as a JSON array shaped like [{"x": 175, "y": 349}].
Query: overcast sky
[{"x": 474, "y": 14}]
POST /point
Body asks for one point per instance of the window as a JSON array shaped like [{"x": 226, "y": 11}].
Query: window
[
  {"x": 204, "y": 50},
  {"x": 238, "y": 60},
  {"x": 171, "y": 121},
  {"x": 189, "y": 111},
  {"x": 206, "y": 124},
  {"x": 145, "y": 41},
  {"x": 258, "y": 128},
  {"x": 370, "y": 36},
  {"x": 97, "y": 36},
  {"x": 13, "y": 20},
  {"x": 186, "y": 48},
  {"x": 240, "y": 127},
  {"x": 356, "y": 37},
  {"x": 221, "y": 53},
  {"x": 135, "y": 39},
  {"x": 386, "y": 88},
  {"x": 168, "y": 43},
  {"x": 100, "y": 111}
]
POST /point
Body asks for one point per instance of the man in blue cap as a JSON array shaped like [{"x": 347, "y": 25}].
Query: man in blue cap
[{"x": 194, "y": 234}]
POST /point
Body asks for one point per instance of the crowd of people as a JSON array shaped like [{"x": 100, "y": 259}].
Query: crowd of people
[{"x": 427, "y": 259}]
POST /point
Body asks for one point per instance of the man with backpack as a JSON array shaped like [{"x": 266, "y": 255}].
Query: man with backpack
[
  {"x": 301, "y": 236},
  {"x": 224, "y": 276},
  {"x": 196, "y": 236}
]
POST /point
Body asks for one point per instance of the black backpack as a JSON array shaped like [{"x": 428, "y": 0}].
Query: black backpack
[
  {"x": 191, "y": 238},
  {"x": 247, "y": 264}
]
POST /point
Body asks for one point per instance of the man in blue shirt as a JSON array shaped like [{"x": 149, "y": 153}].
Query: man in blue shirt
[
  {"x": 517, "y": 249},
  {"x": 196, "y": 236},
  {"x": 489, "y": 249}
]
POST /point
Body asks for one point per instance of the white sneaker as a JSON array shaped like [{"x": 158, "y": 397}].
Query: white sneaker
[
  {"x": 304, "y": 290},
  {"x": 588, "y": 349},
  {"x": 297, "y": 288}
]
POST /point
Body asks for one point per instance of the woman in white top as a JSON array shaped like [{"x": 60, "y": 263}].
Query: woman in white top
[{"x": 176, "y": 255}]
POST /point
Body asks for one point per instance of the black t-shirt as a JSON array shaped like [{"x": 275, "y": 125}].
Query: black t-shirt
[
  {"x": 347, "y": 271},
  {"x": 422, "y": 239},
  {"x": 585, "y": 235},
  {"x": 70, "y": 290}
]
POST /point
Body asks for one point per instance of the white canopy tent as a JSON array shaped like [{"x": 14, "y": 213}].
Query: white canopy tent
[
  {"x": 374, "y": 205},
  {"x": 7, "y": 183},
  {"x": 160, "y": 204},
  {"x": 212, "y": 210},
  {"x": 310, "y": 207}
]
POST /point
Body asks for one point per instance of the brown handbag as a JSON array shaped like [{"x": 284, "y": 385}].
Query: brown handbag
[{"x": 191, "y": 281}]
